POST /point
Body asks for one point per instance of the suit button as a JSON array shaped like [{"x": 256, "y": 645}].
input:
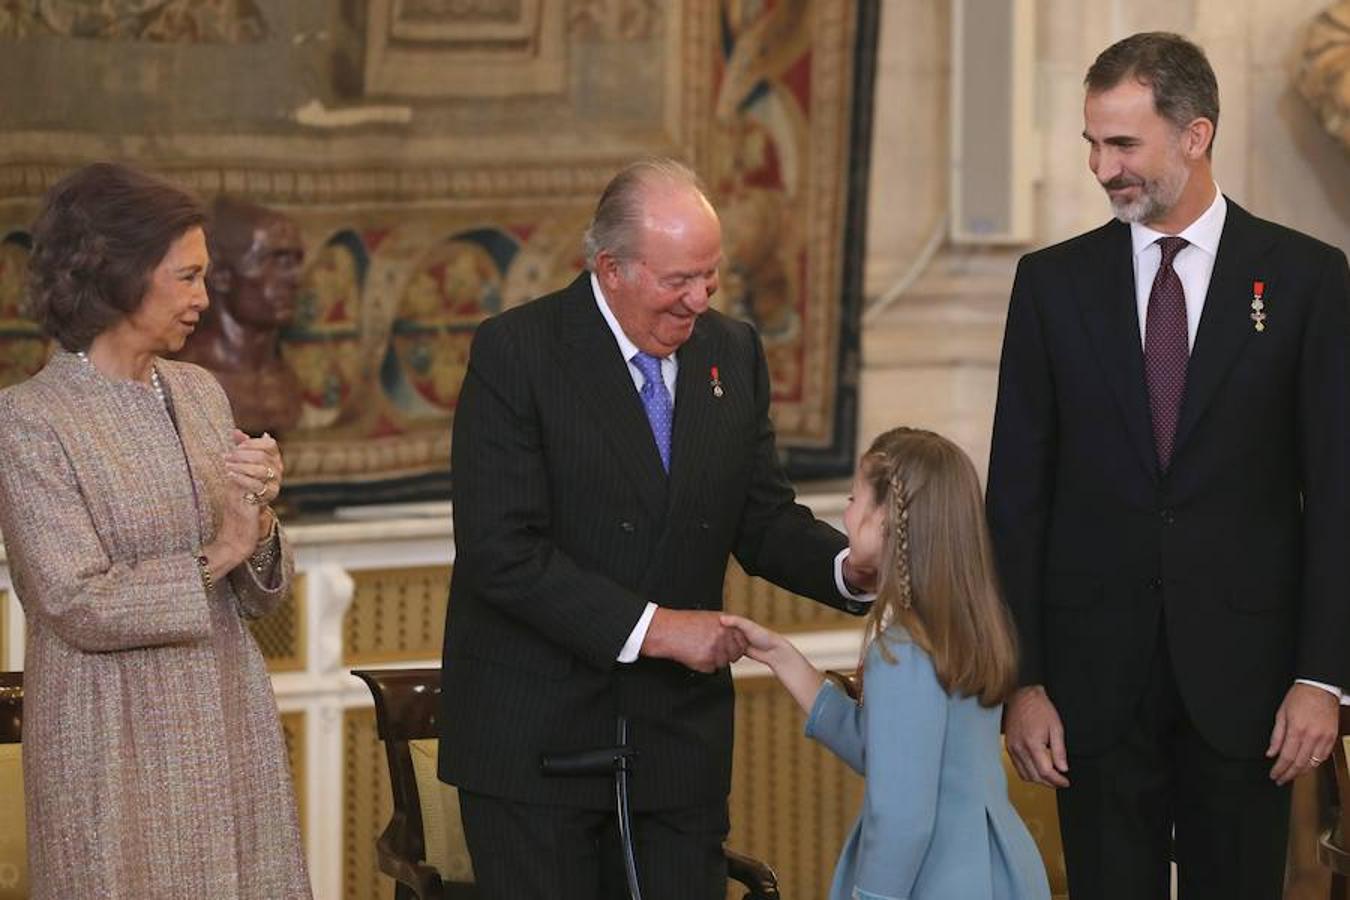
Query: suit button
[
  {"x": 1168, "y": 518},
  {"x": 627, "y": 526},
  {"x": 1155, "y": 584},
  {"x": 703, "y": 525}
]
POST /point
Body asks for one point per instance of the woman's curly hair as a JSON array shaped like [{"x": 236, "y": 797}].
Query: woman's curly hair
[{"x": 102, "y": 231}]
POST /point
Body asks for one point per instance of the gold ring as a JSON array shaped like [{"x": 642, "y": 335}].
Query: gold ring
[
  {"x": 1316, "y": 760},
  {"x": 270, "y": 475},
  {"x": 253, "y": 498}
]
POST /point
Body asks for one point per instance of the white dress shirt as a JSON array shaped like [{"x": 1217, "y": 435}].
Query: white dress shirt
[
  {"x": 670, "y": 368},
  {"x": 1194, "y": 265}
]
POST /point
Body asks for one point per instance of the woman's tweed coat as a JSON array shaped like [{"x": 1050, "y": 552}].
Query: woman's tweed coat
[{"x": 154, "y": 764}]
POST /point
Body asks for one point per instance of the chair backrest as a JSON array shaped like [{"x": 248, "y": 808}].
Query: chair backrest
[
  {"x": 406, "y": 701},
  {"x": 11, "y": 707},
  {"x": 13, "y": 840},
  {"x": 419, "y": 848},
  {"x": 1340, "y": 757}
]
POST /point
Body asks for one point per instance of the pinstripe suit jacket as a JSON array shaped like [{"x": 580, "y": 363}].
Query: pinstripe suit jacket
[{"x": 566, "y": 525}]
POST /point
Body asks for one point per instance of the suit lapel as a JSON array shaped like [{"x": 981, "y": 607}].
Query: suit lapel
[
  {"x": 1111, "y": 315},
  {"x": 605, "y": 385},
  {"x": 1225, "y": 325},
  {"x": 695, "y": 434}
]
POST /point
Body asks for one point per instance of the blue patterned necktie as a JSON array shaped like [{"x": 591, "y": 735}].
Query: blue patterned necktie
[{"x": 656, "y": 401}]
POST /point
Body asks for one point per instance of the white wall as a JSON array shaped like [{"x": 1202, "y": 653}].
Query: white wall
[{"x": 931, "y": 359}]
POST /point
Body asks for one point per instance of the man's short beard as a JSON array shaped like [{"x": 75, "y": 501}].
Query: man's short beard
[{"x": 1156, "y": 198}]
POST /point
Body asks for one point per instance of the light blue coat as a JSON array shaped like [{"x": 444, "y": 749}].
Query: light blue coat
[{"x": 936, "y": 823}]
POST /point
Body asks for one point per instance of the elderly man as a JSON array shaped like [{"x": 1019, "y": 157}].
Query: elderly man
[
  {"x": 612, "y": 449},
  {"x": 256, "y": 258},
  {"x": 1169, "y": 502}
]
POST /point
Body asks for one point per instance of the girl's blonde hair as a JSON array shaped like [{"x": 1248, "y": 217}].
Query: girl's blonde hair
[{"x": 936, "y": 576}]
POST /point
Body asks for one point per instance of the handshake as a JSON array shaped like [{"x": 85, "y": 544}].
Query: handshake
[{"x": 702, "y": 640}]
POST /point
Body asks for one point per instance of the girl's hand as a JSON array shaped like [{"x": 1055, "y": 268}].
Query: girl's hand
[
  {"x": 762, "y": 641},
  {"x": 777, "y": 652}
]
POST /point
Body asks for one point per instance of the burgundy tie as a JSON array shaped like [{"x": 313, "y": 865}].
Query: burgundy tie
[{"x": 1166, "y": 350}]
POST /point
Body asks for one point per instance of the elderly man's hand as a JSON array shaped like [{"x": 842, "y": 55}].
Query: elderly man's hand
[
  {"x": 694, "y": 638},
  {"x": 1305, "y": 731}
]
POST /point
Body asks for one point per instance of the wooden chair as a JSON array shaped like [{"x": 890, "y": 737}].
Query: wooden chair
[
  {"x": 1333, "y": 851},
  {"x": 13, "y": 843},
  {"x": 11, "y": 707},
  {"x": 425, "y": 855}
]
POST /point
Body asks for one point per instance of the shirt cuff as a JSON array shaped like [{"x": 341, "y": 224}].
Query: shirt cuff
[
  {"x": 1329, "y": 688},
  {"x": 839, "y": 580},
  {"x": 629, "y": 653}
]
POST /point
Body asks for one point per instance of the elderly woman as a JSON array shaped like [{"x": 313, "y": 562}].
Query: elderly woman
[{"x": 139, "y": 538}]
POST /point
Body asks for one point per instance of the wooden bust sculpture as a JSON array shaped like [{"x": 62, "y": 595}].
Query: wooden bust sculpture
[{"x": 256, "y": 259}]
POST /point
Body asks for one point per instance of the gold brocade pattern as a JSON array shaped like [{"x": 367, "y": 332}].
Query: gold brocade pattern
[
  {"x": 293, "y": 732},
  {"x": 792, "y": 802},
  {"x": 367, "y": 803},
  {"x": 396, "y": 615},
  {"x": 281, "y": 635}
]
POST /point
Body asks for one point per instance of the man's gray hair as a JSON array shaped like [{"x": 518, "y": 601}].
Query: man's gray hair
[
  {"x": 616, "y": 226},
  {"x": 1183, "y": 82}
]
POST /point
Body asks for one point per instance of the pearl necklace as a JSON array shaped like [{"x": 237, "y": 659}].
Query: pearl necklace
[{"x": 154, "y": 378}]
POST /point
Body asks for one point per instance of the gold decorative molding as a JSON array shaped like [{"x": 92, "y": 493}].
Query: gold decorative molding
[
  {"x": 396, "y": 615},
  {"x": 1324, "y": 72},
  {"x": 281, "y": 634},
  {"x": 490, "y": 48},
  {"x": 373, "y": 183}
]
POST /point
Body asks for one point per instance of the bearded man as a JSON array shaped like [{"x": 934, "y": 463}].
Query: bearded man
[{"x": 1169, "y": 495}]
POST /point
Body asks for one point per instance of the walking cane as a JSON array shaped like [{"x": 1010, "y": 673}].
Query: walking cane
[{"x": 602, "y": 761}]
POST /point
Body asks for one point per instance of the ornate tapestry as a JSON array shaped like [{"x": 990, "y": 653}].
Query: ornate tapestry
[
  {"x": 1324, "y": 76},
  {"x": 443, "y": 157},
  {"x": 170, "y": 21}
]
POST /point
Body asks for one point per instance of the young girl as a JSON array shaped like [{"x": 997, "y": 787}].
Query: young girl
[{"x": 938, "y": 661}]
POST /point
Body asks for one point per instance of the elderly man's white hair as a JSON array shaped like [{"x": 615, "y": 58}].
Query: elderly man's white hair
[{"x": 615, "y": 227}]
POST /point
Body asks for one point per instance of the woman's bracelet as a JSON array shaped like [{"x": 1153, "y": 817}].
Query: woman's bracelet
[
  {"x": 266, "y": 551},
  {"x": 204, "y": 570}
]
